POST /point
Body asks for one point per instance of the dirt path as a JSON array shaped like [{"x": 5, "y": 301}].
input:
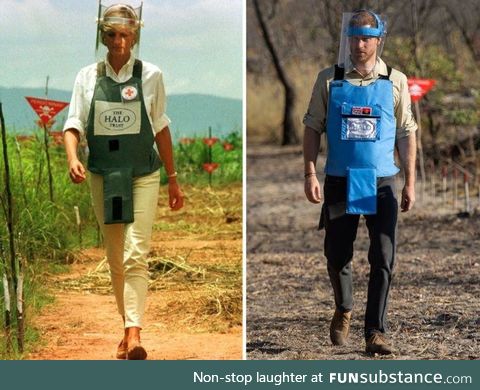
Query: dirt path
[
  {"x": 435, "y": 298},
  {"x": 187, "y": 316},
  {"x": 86, "y": 326}
]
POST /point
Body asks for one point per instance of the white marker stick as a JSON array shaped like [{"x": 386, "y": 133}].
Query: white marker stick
[
  {"x": 6, "y": 293},
  {"x": 77, "y": 215}
]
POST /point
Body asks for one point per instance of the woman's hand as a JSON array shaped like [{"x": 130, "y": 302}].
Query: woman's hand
[
  {"x": 175, "y": 196},
  {"x": 71, "y": 138},
  {"x": 76, "y": 171}
]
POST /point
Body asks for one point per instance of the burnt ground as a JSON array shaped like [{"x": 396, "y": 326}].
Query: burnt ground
[{"x": 434, "y": 310}]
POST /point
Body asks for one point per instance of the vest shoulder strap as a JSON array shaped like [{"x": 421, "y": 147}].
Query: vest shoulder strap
[
  {"x": 339, "y": 73},
  {"x": 137, "y": 69},
  {"x": 389, "y": 72},
  {"x": 101, "y": 69}
]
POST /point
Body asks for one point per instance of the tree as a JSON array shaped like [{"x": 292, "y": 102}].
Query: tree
[
  {"x": 467, "y": 22},
  {"x": 289, "y": 131}
]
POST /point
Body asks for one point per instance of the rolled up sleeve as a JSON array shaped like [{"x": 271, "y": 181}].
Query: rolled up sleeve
[
  {"x": 315, "y": 117},
  {"x": 406, "y": 123},
  {"x": 159, "y": 118},
  {"x": 77, "y": 111}
]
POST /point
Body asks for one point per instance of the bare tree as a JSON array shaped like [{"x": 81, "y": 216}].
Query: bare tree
[
  {"x": 466, "y": 19},
  {"x": 289, "y": 131}
]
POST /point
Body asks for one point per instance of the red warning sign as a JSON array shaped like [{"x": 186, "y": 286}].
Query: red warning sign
[
  {"x": 46, "y": 109},
  {"x": 419, "y": 87}
]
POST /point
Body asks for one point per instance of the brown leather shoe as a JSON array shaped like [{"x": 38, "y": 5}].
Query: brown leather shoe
[
  {"x": 376, "y": 343},
  {"x": 122, "y": 350},
  {"x": 135, "y": 351},
  {"x": 340, "y": 327}
]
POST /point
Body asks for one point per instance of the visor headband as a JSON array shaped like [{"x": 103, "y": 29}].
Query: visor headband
[
  {"x": 365, "y": 31},
  {"x": 121, "y": 21},
  {"x": 368, "y": 31}
]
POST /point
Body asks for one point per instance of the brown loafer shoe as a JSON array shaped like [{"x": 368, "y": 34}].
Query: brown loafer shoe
[
  {"x": 122, "y": 350},
  {"x": 376, "y": 343},
  {"x": 340, "y": 327},
  {"x": 135, "y": 351}
]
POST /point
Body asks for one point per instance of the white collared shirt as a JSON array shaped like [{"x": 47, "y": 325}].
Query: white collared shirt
[{"x": 152, "y": 86}]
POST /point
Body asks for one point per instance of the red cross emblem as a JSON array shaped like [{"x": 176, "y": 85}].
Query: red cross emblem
[{"x": 129, "y": 92}]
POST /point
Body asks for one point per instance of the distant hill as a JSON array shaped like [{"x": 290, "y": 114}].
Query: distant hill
[{"x": 191, "y": 114}]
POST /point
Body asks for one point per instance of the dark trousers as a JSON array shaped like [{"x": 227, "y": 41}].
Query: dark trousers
[{"x": 340, "y": 233}]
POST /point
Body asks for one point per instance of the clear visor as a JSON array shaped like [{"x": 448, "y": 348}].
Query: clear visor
[
  {"x": 116, "y": 22},
  {"x": 348, "y": 32}
]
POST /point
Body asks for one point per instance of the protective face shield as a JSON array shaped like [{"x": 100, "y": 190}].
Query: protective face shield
[
  {"x": 120, "y": 16},
  {"x": 349, "y": 29}
]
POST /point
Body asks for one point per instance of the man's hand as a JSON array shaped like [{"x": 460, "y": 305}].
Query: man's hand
[
  {"x": 175, "y": 196},
  {"x": 312, "y": 189},
  {"x": 76, "y": 171},
  {"x": 408, "y": 198},
  {"x": 311, "y": 145},
  {"x": 407, "y": 149}
]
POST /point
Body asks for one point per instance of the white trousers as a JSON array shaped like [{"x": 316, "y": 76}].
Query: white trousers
[{"x": 127, "y": 245}]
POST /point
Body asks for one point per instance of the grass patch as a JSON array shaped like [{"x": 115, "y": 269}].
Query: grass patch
[
  {"x": 212, "y": 211},
  {"x": 36, "y": 296}
]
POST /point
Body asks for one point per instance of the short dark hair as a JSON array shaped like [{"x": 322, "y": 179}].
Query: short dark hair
[{"x": 362, "y": 18}]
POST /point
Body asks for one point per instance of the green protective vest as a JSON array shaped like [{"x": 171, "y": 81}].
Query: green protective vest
[{"x": 120, "y": 141}]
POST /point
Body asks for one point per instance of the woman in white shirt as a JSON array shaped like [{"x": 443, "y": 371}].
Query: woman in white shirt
[{"x": 119, "y": 105}]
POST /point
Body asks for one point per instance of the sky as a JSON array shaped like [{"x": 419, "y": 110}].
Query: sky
[{"x": 196, "y": 43}]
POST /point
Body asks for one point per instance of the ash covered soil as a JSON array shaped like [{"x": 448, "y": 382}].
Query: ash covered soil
[{"x": 434, "y": 309}]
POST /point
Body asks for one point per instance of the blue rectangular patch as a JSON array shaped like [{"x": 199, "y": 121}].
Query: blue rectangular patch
[{"x": 361, "y": 191}]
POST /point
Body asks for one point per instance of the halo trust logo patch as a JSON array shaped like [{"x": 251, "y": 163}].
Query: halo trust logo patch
[
  {"x": 117, "y": 119},
  {"x": 361, "y": 110}
]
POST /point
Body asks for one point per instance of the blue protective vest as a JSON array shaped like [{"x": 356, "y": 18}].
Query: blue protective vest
[{"x": 361, "y": 127}]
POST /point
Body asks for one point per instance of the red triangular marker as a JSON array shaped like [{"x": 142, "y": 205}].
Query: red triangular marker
[
  {"x": 46, "y": 109},
  {"x": 419, "y": 87}
]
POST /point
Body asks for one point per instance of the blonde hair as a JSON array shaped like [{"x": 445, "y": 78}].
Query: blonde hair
[{"x": 120, "y": 11}]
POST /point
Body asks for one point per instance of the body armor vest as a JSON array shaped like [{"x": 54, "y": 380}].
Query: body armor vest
[
  {"x": 120, "y": 140},
  {"x": 361, "y": 127},
  {"x": 361, "y": 131}
]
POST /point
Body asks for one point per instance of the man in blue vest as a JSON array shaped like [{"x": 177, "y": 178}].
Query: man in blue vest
[{"x": 364, "y": 107}]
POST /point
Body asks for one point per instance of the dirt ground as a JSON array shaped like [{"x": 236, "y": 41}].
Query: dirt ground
[
  {"x": 434, "y": 310},
  {"x": 193, "y": 308}
]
